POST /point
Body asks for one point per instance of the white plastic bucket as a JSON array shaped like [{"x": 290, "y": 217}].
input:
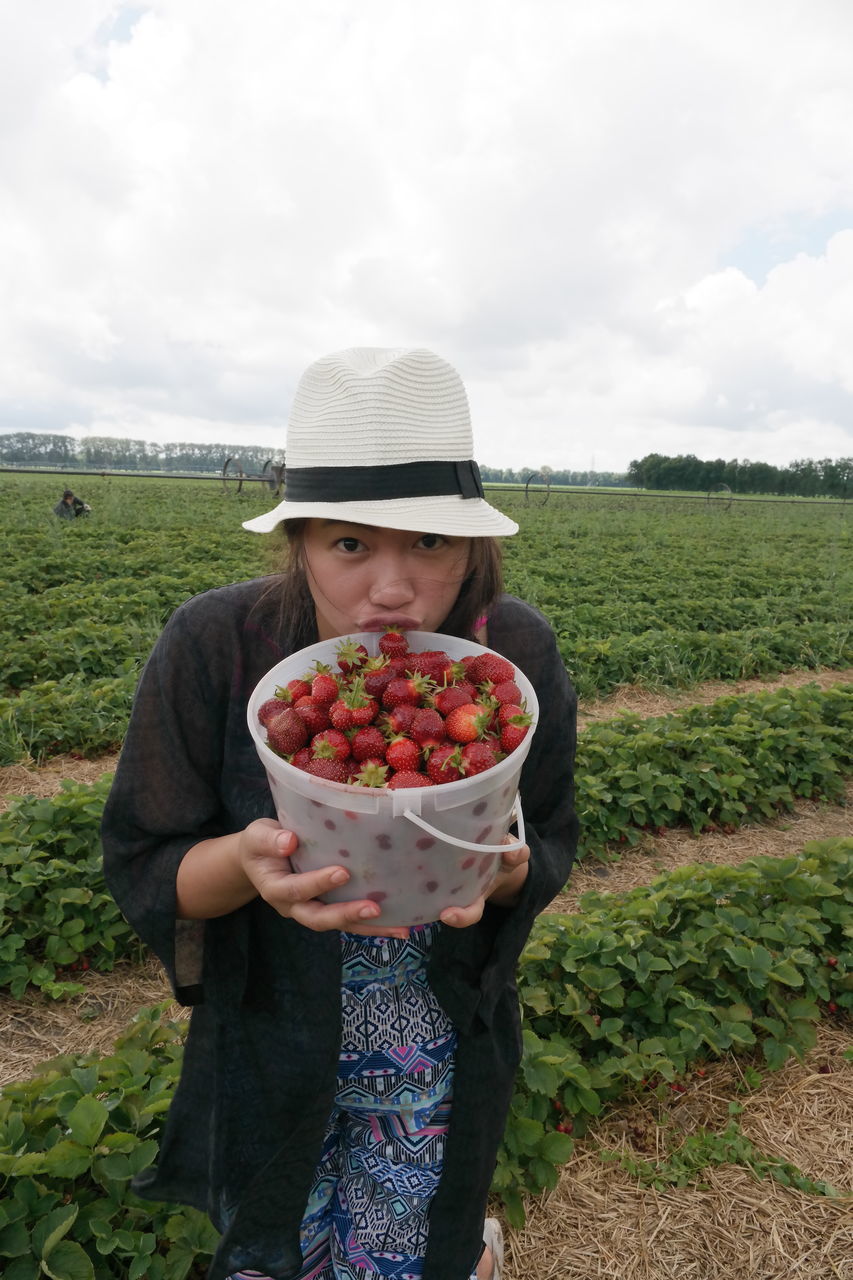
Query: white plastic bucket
[{"x": 414, "y": 851}]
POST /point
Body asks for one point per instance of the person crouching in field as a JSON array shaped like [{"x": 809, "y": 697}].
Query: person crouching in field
[
  {"x": 70, "y": 506},
  {"x": 344, "y": 1090}
]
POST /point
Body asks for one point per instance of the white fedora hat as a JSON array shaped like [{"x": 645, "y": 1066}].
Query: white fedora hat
[{"x": 383, "y": 437}]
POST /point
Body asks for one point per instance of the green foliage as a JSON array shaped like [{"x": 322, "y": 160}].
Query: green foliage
[
  {"x": 71, "y": 1139},
  {"x": 717, "y": 765},
  {"x": 688, "y": 1156},
  {"x": 640, "y": 986},
  {"x": 56, "y": 916}
]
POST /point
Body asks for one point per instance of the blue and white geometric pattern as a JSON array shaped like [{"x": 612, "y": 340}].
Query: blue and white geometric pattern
[{"x": 367, "y": 1216}]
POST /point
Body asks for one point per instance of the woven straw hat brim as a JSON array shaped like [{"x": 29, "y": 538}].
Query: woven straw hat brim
[{"x": 449, "y": 514}]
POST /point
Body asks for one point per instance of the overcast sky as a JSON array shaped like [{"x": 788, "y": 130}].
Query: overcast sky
[{"x": 628, "y": 223}]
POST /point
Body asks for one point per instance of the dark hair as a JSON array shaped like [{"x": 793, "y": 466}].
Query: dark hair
[
  {"x": 69, "y": 493},
  {"x": 480, "y": 588}
]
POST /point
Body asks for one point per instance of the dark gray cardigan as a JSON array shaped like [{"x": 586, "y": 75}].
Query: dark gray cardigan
[{"x": 244, "y": 1130}]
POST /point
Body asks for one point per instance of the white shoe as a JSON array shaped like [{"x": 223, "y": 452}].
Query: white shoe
[{"x": 493, "y": 1238}]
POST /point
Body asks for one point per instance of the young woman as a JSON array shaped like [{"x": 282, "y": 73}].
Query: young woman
[{"x": 343, "y": 1091}]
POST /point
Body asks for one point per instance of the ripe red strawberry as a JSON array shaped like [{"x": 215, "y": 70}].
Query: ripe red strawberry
[
  {"x": 403, "y": 754},
  {"x": 351, "y": 656},
  {"x": 302, "y": 758},
  {"x": 399, "y": 719},
  {"x": 286, "y": 732},
  {"x": 393, "y": 642},
  {"x": 506, "y": 691},
  {"x": 491, "y": 667},
  {"x": 470, "y": 721},
  {"x": 477, "y": 757},
  {"x": 294, "y": 689},
  {"x": 513, "y": 734},
  {"x": 428, "y": 728},
  {"x": 368, "y": 742},
  {"x": 353, "y": 708},
  {"x": 331, "y": 769},
  {"x": 433, "y": 663},
  {"x": 272, "y": 707},
  {"x": 314, "y": 713},
  {"x": 324, "y": 686},
  {"x": 331, "y": 744},
  {"x": 455, "y": 695},
  {"x": 405, "y": 689},
  {"x": 377, "y": 672},
  {"x": 444, "y": 763},
  {"x": 371, "y": 773},
  {"x": 408, "y": 778}
]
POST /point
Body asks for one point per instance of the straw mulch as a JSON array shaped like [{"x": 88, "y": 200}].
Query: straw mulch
[
  {"x": 602, "y": 1222},
  {"x": 46, "y": 779},
  {"x": 35, "y": 1028}
]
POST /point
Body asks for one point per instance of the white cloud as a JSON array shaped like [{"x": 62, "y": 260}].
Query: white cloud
[{"x": 199, "y": 198}]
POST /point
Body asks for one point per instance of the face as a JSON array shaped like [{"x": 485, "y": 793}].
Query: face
[{"x": 363, "y": 578}]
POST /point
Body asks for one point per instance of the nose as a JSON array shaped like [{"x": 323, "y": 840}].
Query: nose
[{"x": 392, "y": 585}]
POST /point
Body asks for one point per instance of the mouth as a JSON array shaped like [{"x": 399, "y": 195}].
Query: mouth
[{"x": 399, "y": 621}]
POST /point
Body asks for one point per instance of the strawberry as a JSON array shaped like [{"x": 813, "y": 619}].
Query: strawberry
[
  {"x": 286, "y": 732},
  {"x": 302, "y": 758},
  {"x": 399, "y": 719},
  {"x": 393, "y": 642},
  {"x": 455, "y": 695},
  {"x": 409, "y": 778},
  {"x": 371, "y": 773},
  {"x": 331, "y": 744},
  {"x": 428, "y": 728},
  {"x": 403, "y": 754},
  {"x": 294, "y": 689},
  {"x": 506, "y": 691},
  {"x": 376, "y": 672},
  {"x": 314, "y": 713},
  {"x": 351, "y": 656},
  {"x": 444, "y": 764},
  {"x": 491, "y": 667},
  {"x": 477, "y": 757},
  {"x": 512, "y": 735},
  {"x": 470, "y": 721},
  {"x": 353, "y": 708},
  {"x": 433, "y": 663},
  {"x": 331, "y": 769},
  {"x": 368, "y": 742},
  {"x": 406, "y": 689},
  {"x": 324, "y": 686},
  {"x": 272, "y": 707}
]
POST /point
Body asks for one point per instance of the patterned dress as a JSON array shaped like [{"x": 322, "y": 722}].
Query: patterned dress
[{"x": 368, "y": 1211}]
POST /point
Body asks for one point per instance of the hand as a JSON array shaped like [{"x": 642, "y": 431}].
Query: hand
[
  {"x": 505, "y": 889},
  {"x": 265, "y": 849}
]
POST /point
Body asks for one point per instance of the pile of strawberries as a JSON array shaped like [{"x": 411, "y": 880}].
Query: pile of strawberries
[{"x": 401, "y": 719}]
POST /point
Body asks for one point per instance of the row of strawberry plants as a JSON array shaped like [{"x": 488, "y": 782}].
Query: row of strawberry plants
[
  {"x": 636, "y": 989},
  {"x": 682, "y": 658},
  {"x": 713, "y": 611},
  {"x": 74, "y": 714},
  {"x": 738, "y": 758},
  {"x": 639, "y": 988}
]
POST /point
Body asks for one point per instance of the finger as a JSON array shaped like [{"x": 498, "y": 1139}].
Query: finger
[
  {"x": 350, "y": 916},
  {"x": 462, "y": 917}
]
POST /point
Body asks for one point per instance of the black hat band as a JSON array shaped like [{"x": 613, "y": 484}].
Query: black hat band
[{"x": 383, "y": 483}]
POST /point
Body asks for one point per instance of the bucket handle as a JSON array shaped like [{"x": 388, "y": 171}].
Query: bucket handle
[{"x": 516, "y": 815}]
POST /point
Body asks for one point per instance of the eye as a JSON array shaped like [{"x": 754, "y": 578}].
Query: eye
[
  {"x": 350, "y": 544},
  {"x": 431, "y": 541}
]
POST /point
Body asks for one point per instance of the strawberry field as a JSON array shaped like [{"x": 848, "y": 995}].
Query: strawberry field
[{"x": 631, "y": 997}]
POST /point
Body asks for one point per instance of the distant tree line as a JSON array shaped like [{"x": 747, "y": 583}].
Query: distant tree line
[
  {"x": 541, "y": 475},
  {"x": 805, "y": 478},
  {"x": 105, "y": 453}
]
